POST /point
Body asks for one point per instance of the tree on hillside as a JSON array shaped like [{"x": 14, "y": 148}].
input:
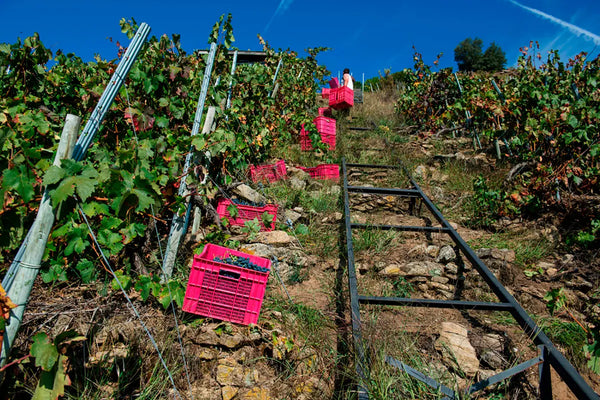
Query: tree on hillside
[
  {"x": 470, "y": 57},
  {"x": 468, "y": 54},
  {"x": 493, "y": 58}
]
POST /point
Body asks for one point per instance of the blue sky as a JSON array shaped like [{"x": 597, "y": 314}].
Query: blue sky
[{"x": 366, "y": 37}]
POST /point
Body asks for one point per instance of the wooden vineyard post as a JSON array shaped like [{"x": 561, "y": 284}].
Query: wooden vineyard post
[{"x": 29, "y": 264}]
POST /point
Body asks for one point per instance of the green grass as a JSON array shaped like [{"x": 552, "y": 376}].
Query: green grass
[
  {"x": 309, "y": 323},
  {"x": 321, "y": 201},
  {"x": 373, "y": 241},
  {"x": 570, "y": 335},
  {"x": 528, "y": 251},
  {"x": 502, "y": 318}
]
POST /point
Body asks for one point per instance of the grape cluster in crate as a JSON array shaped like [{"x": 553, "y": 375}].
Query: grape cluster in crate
[{"x": 242, "y": 262}]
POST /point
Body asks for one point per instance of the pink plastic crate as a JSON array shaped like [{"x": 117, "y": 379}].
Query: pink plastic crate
[
  {"x": 325, "y": 93},
  {"x": 325, "y": 125},
  {"x": 270, "y": 172},
  {"x": 334, "y": 83},
  {"x": 342, "y": 97},
  {"x": 247, "y": 213},
  {"x": 306, "y": 143},
  {"x": 224, "y": 291},
  {"x": 325, "y": 111},
  {"x": 323, "y": 171}
]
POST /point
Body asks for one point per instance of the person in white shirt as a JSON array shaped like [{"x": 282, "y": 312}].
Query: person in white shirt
[{"x": 347, "y": 79}]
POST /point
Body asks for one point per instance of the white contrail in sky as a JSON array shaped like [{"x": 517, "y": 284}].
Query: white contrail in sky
[
  {"x": 281, "y": 8},
  {"x": 573, "y": 28}
]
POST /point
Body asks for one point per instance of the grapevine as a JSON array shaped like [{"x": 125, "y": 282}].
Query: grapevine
[{"x": 128, "y": 182}]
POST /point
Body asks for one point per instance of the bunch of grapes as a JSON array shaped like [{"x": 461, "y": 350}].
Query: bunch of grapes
[
  {"x": 242, "y": 262},
  {"x": 241, "y": 202}
]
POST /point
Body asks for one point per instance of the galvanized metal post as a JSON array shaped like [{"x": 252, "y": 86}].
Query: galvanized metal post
[
  {"x": 179, "y": 222},
  {"x": 272, "y": 92},
  {"x": 575, "y": 91},
  {"x": 233, "y": 66},
  {"x": 113, "y": 87},
  {"x": 29, "y": 264},
  {"x": 363, "y": 87},
  {"x": 476, "y": 140}
]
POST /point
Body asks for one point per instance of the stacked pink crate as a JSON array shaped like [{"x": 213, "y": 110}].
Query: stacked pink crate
[
  {"x": 326, "y": 128},
  {"x": 268, "y": 172},
  {"x": 342, "y": 97},
  {"x": 323, "y": 171}
]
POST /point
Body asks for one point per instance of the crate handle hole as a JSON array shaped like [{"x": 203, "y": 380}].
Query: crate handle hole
[{"x": 229, "y": 274}]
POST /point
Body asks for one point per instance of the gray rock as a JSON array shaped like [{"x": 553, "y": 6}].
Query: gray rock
[
  {"x": 484, "y": 374},
  {"x": 420, "y": 172},
  {"x": 247, "y": 193},
  {"x": 487, "y": 254},
  {"x": 445, "y": 293},
  {"x": 418, "y": 250},
  {"x": 439, "y": 286},
  {"x": 567, "y": 259},
  {"x": 433, "y": 251},
  {"x": 335, "y": 190},
  {"x": 392, "y": 270},
  {"x": 440, "y": 279},
  {"x": 422, "y": 268},
  {"x": 545, "y": 265},
  {"x": 260, "y": 249},
  {"x": 446, "y": 255},
  {"x": 493, "y": 359},
  {"x": 457, "y": 351},
  {"x": 274, "y": 238},
  {"x": 296, "y": 183},
  {"x": 291, "y": 215},
  {"x": 452, "y": 268},
  {"x": 297, "y": 173}
]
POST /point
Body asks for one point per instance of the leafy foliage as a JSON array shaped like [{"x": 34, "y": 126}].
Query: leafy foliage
[
  {"x": 129, "y": 181},
  {"x": 536, "y": 112},
  {"x": 470, "y": 56}
]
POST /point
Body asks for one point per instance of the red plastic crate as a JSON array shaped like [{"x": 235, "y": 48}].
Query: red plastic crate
[
  {"x": 323, "y": 171},
  {"x": 247, "y": 213},
  {"x": 225, "y": 291},
  {"x": 325, "y": 111},
  {"x": 342, "y": 97},
  {"x": 306, "y": 143},
  {"x": 334, "y": 83},
  {"x": 325, "y": 125},
  {"x": 325, "y": 93},
  {"x": 270, "y": 172}
]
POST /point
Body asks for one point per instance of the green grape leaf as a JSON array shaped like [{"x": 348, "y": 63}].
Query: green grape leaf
[
  {"x": 56, "y": 272},
  {"x": 125, "y": 280},
  {"x": 52, "y": 383},
  {"x": 86, "y": 270},
  {"x": 76, "y": 245},
  {"x": 20, "y": 181},
  {"x": 233, "y": 210},
  {"x": 53, "y": 175},
  {"x": 44, "y": 351}
]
